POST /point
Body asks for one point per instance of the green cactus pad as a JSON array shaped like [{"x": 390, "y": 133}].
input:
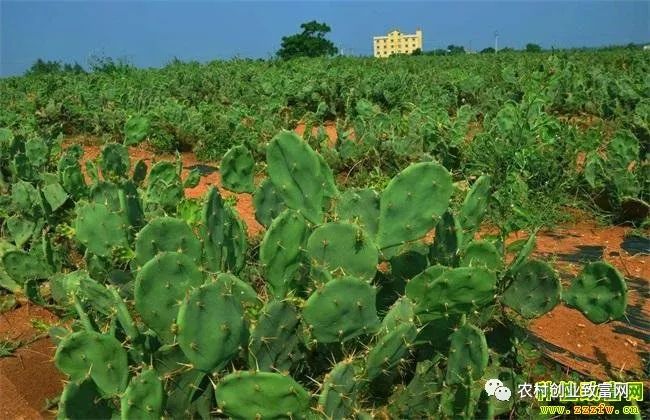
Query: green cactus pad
[
  {"x": 23, "y": 266},
  {"x": 114, "y": 161},
  {"x": 209, "y": 308},
  {"x": 164, "y": 187},
  {"x": 402, "y": 311},
  {"x": 468, "y": 355},
  {"x": 83, "y": 401},
  {"x": 337, "y": 400},
  {"x": 37, "y": 152},
  {"x": 239, "y": 289},
  {"x": 412, "y": 203},
  {"x": 143, "y": 398},
  {"x": 474, "y": 207},
  {"x": 139, "y": 172},
  {"x": 390, "y": 350},
  {"x": 70, "y": 174},
  {"x": 237, "y": 168},
  {"x": 599, "y": 292},
  {"x": 54, "y": 195},
  {"x": 100, "y": 230},
  {"x": 166, "y": 234},
  {"x": 441, "y": 292},
  {"x": 534, "y": 289},
  {"x": 360, "y": 206},
  {"x": 101, "y": 357},
  {"x": 223, "y": 235},
  {"x": 345, "y": 249},
  {"x": 268, "y": 203},
  {"x": 447, "y": 242},
  {"x": 274, "y": 340},
  {"x": 262, "y": 395},
  {"x": 282, "y": 251},
  {"x": 193, "y": 179},
  {"x": 106, "y": 193},
  {"x": 525, "y": 251},
  {"x": 419, "y": 399},
  {"x": 20, "y": 229},
  {"x": 135, "y": 130},
  {"x": 294, "y": 169},
  {"x": 25, "y": 198},
  {"x": 160, "y": 287},
  {"x": 341, "y": 310},
  {"x": 481, "y": 254}
]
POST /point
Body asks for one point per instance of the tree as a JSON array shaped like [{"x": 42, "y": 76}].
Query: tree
[
  {"x": 417, "y": 51},
  {"x": 455, "y": 49},
  {"x": 488, "y": 50},
  {"x": 310, "y": 43},
  {"x": 41, "y": 66},
  {"x": 534, "y": 48}
]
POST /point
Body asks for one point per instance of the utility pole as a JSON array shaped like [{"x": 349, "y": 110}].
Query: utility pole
[{"x": 496, "y": 42}]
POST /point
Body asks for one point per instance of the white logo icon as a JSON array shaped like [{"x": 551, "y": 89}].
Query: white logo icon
[{"x": 495, "y": 387}]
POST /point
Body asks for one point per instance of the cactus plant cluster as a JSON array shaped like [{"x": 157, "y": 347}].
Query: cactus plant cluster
[{"x": 177, "y": 317}]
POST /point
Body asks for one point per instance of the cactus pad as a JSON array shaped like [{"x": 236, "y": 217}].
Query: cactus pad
[
  {"x": 474, "y": 207},
  {"x": 468, "y": 355},
  {"x": 360, "y": 206},
  {"x": 143, "y": 398},
  {"x": 599, "y": 292},
  {"x": 274, "y": 340},
  {"x": 268, "y": 203},
  {"x": 282, "y": 251},
  {"x": 261, "y": 395},
  {"x": 114, "y": 161},
  {"x": 390, "y": 350},
  {"x": 166, "y": 234},
  {"x": 101, "y": 357},
  {"x": 481, "y": 254},
  {"x": 237, "y": 168},
  {"x": 447, "y": 242},
  {"x": 341, "y": 310},
  {"x": 412, "y": 203},
  {"x": 344, "y": 249},
  {"x": 100, "y": 230},
  {"x": 534, "y": 289},
  {"x": 337, "y": 400},
  {"x": 210, "y": 308},
  {"x": 160, "y": 287}
]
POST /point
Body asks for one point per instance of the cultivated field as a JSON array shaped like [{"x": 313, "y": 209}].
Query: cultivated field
[{"x": 324, "y": 238}]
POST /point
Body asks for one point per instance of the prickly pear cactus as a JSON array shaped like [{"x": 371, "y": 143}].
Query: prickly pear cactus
[
  {"x": 344, "y": 249},
  {"x": 533, "y": 290},
  {"x": 282, "y": 252},
  {"x": 101, "y": 357},
  {"x": 114, "y": 161},
  {"x": 360, "y": 206},
  {"x": 341, "y": 310},
  {"x": 237, "y": 168},
  {"x": 468, "y": 355},
  {"x": 100, "y": 230},
  {"x": 210, "y": 307},
  {"x": 337, "y": 399},
  {"x": 274, "y": 340},
  {"x": 599, "y": 292},
  {"x": 474, "y": 207},
  {"x": 294, "y": 170},
  {"x": 447, "y": 242},
  {"x": 481, "y": 254},
  {"x": 263, "y": 395},
  {"x": 268, "y": 203},
  {"x": 144, "y": 397},
  {"x": 159, "y": 287},
  {"x": 412, "y": 203},
  {"x": 166, "y": 234}
]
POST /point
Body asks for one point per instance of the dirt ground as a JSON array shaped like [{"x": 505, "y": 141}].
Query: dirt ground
[{"x": 610, "y": 351}]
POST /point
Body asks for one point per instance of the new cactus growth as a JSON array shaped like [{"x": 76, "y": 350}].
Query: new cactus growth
[
  {"x": 412, "y": 203},
  {"x": 160, "y": 286},
  {"x": 166, "y": 234},
  {"x": 343, "y": 249},
  {"x": 261, "y": 395},
  {"x": 237, "y": 168},
  {"x": 341, "y": 310},
  {"x": 144, "y": 397},
  {"x": 599, "y": 292},
  {"x": 101, "y": 357},
  {"x": 533, "y": 290},
  {"x": 211, "y": 308},
  {"x": 282, "y": 251}
]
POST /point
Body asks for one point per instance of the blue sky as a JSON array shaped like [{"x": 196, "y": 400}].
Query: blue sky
[{"x": 150, "y": 33}]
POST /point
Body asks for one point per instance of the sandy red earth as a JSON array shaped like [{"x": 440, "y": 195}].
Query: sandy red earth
[{"x": 617, "y": 350}]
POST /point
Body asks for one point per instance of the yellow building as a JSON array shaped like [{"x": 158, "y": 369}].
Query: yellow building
[{"x": 396, "y": 42}]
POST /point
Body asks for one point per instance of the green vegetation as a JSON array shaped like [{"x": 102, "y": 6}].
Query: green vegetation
[
  {"x": 343, "y": 310},
  {"x": 310, "y": 42},
  {"x": 173, "y": 318}
]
